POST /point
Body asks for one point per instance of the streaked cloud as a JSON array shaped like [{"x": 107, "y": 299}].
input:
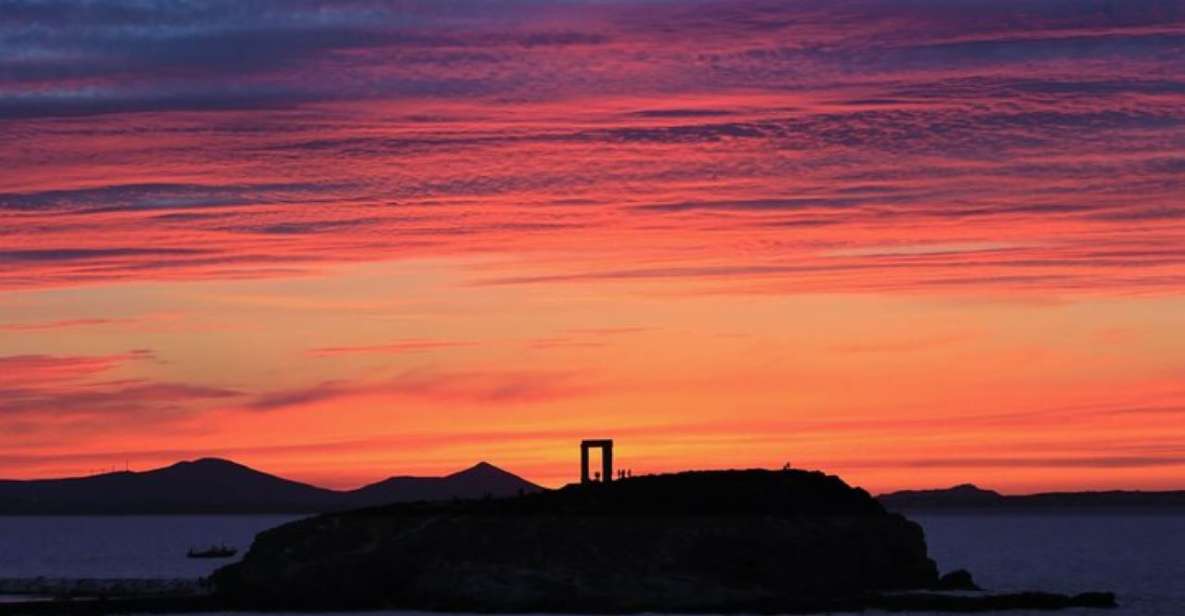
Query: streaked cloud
[
  {"x": 845, "y": 223},
  {"x": 400, "y": 346},
  {"x": 80, "y": 395},
  {"x": 56, "y": 325},
  {"x": 876, "y": 118},
  {"x": 38, "y": 369},
  {"x": 435, "y": 387}
]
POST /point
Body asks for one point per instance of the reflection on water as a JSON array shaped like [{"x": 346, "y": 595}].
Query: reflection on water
[{"x": 21, "y": 598}]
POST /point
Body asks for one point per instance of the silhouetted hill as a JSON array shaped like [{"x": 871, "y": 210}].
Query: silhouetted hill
[
  {"x": 202, "y": 486},
  {"x": 212, "y": 485},
  {"x": 968, "y": 497}
]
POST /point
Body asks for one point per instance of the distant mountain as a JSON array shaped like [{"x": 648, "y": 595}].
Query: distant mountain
[
  {"x": 968, "y": 497},
  {"x": 965, "y": 496},
  {"x": 481, "y": 480},
  {"x": 212, "y": 485}
]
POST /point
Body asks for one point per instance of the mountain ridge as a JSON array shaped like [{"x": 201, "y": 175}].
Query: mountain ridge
[{"x": 218, "y": 485}]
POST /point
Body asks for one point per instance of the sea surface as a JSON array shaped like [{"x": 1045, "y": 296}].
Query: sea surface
[
  {"x": 150, "y": 546},
  {"x": 1140, "y": 557}
]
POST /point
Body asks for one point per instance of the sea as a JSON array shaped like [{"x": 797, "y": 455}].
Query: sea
[{"x": 1141, "y": 557}]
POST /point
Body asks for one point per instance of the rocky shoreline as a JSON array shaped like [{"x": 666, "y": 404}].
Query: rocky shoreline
[{"x": 904, "y": 602}]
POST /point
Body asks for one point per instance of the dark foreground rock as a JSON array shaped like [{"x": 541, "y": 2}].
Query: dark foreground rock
[
  {"x": 960, "y": 579},
  {"x": 730, "y": 541},
  {"x": 702, "y": 541}
]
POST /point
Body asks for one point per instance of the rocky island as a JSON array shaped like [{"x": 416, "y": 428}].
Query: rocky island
[{"x": 708, "y": 541}]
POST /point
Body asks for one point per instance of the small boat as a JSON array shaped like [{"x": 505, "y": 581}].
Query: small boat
[{"x": 214, "y": 551}]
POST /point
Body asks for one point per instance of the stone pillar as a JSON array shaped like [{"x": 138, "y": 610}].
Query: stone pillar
[{"x": 606, "y": 447}]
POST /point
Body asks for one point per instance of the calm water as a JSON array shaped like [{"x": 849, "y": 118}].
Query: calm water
[
  {"x": 1141, "y": 557},
  {"x": 121, "y": 546}
]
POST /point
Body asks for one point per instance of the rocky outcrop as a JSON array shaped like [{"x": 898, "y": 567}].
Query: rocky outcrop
[
  {"x": 959, "y": 579},
  {"x": 699, "y": 541}
]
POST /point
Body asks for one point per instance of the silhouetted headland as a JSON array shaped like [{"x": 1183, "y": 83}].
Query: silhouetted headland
[
  {"x": 712, "y": 541},
  {"x": 970, "y": 498},
  {"x": 212, "y": 485}
]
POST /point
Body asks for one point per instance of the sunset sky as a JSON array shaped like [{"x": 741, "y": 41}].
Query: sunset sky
[{"x": 911, "y": 242}]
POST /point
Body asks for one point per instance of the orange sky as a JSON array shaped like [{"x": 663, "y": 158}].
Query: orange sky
[{"x": 910, "y": 245}]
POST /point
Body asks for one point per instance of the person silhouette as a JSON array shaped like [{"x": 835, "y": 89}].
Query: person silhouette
[{"x": 596, "y": 476}]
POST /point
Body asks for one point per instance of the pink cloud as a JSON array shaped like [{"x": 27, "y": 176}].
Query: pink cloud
[
  {"x": 480, "y": 387},
  {"x": 398, "y": 347},
  {"x": 28, "y": 370},
  {"x": 56, "y": 325},
  {"x": 40, "y": 392},
  {"x": 782, "y": 150}
]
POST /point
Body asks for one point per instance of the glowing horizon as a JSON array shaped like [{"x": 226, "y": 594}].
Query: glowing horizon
[{"x": 911, "y": 244}]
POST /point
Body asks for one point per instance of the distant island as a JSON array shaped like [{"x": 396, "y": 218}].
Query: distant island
[
  {"x": 971, "y": 498},
  {"x": 212, "y": 485}
]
